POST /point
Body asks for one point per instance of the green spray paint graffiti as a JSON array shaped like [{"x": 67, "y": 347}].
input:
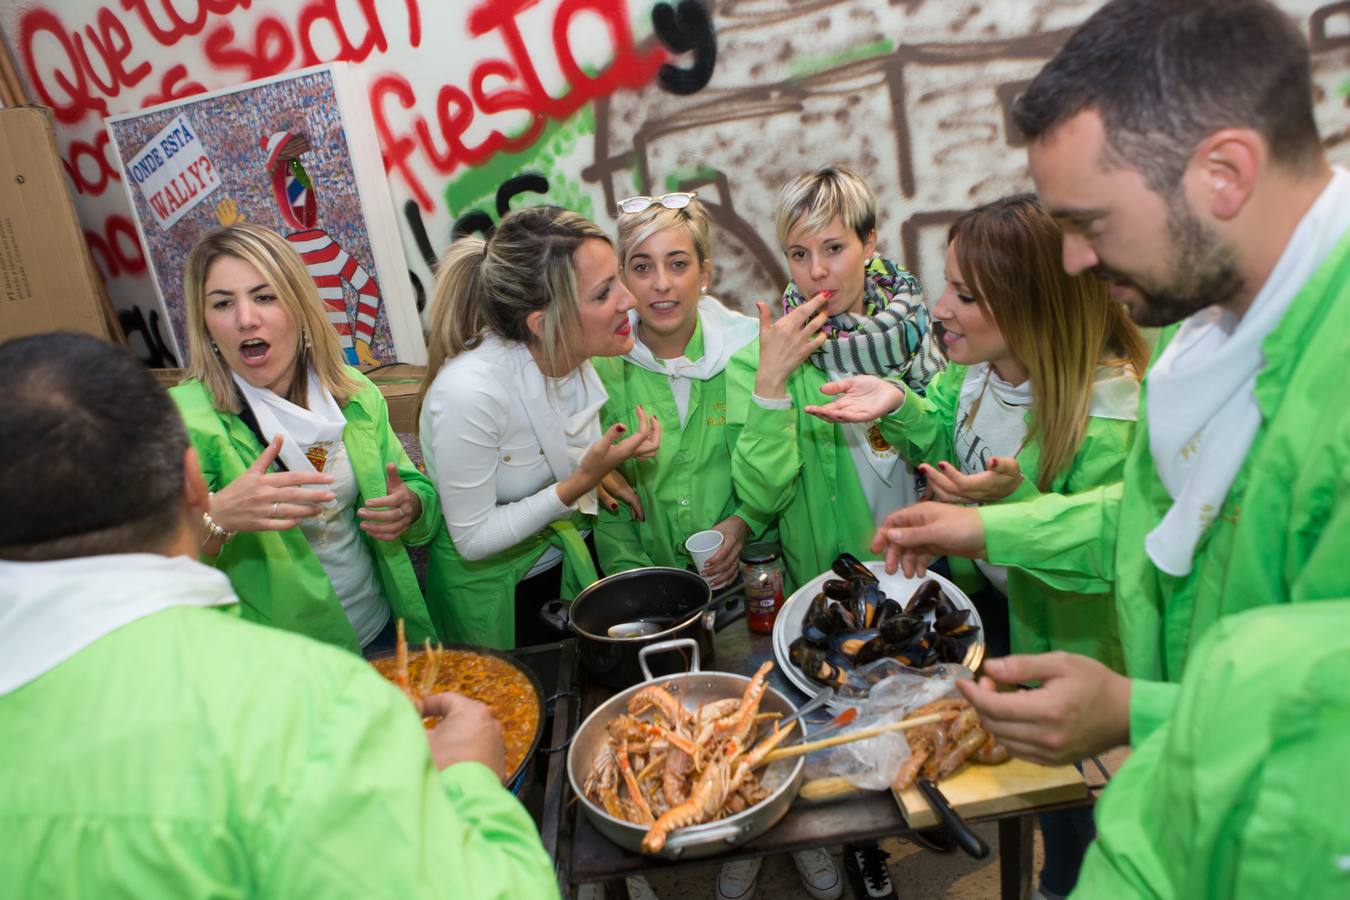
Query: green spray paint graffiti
[
  {"x": 553, "y": 155},
  {"x": 810, "y": 65}
]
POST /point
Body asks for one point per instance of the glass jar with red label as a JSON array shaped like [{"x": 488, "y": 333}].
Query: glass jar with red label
[{"x": 762, "y": 575}]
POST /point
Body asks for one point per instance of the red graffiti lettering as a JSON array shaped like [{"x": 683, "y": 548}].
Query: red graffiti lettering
[
  {"x": 272, "y": 52},
  {"x": 75, "y": 99},
  {"x": 117, "y": 250},
  {"x": 103, "y": 169},
  {"x": 523, "y": 91},
  {"x": 178, "y": 27},
  {"x": 126, "y": 246}
]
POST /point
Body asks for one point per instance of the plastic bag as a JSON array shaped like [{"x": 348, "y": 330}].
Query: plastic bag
[{"x": 873, "y": 763}]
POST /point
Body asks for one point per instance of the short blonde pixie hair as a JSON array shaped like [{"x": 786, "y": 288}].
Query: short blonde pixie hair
[
  {"x": 814, "y": 198},
  {"x": 281, "y": 267},
  {"x": 636, "y": 228}
]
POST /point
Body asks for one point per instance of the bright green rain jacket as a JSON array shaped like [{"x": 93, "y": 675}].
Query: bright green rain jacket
[
  {"x": 278, "y": 578},
  {"x": 798, "y": 467},
  {"x": 923, "y": 429},
  {"x": 1242, "y": 794},
  {"x": 1282, "y": 533},
  {"x": 189, "y": 754},
  {"x": 686, "y": 488}
]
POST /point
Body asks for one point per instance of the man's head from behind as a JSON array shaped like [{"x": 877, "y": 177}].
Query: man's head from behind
[
  {"x": 1149, "y": 131},
  {"x": 93, "y": 458}
]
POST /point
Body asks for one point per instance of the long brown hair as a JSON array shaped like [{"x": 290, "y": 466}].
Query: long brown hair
[
  {"x": 1060, "y": 327},
  {"x": 284, "y": 272},
  {"x": 528, "y": 265}
]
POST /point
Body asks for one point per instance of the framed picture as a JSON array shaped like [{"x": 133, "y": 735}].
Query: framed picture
[{"x": 295, "y": 153}]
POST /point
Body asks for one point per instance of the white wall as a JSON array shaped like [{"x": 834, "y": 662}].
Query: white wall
[{"x": 471, "y": 97}]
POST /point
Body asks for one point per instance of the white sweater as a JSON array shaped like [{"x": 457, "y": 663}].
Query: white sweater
[{"x": 497, "y": 437}]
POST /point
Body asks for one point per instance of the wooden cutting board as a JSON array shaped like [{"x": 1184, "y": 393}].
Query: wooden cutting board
[{"x": 988, "y": 790}]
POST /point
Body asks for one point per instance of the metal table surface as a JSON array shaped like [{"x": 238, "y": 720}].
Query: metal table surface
[{"x": 582, "y": 854}]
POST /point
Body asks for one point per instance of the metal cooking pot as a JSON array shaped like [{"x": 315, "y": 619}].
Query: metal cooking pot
[
  {"x": 516, "y": 780},
  {"x": 657, "y": 604},
  {"x": 783, "y": 778}
]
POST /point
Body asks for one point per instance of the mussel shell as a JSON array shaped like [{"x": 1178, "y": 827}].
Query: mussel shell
[
  {"x": 849, "y": 643},
  {"x": 873, "y": 650},
  {"x": 887, "y": 610},
  {"x": 949, "y": 649},
  {"x": 925, "y": 598},
  {"x": 948, "y": 623},
  {"x": 903, "y": 628},
  {"x": 846, "y": 566},
  {"x": 840, "y": 589}
]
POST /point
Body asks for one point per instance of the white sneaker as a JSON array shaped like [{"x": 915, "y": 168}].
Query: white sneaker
[
  {"x": 819, "y": 874},
  {"x": 736, "y": 880},
  {"x": 639, "y": 889},
  {"x": 591, "y": 890}
]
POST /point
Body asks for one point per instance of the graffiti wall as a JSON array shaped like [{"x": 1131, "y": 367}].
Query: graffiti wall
[{"x": 480, "y": 106}]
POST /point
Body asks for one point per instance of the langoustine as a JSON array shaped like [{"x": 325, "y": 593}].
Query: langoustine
[{"x": 698, "y": 763}]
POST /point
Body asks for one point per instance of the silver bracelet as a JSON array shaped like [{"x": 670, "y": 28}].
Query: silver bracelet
[{"x": 213, "y": 530}]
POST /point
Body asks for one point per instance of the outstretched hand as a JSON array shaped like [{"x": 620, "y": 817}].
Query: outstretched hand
[
  {"x": 858, "y": 398},
  {"x": 610, "y": 452},
  {"x": 912, "y": 536},
  {"x": 1001, "y": 477}
]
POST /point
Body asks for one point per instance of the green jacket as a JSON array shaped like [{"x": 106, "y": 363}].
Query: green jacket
[
  {"x": 473, "y": 601},
  {"x": 1242, "y": 793},
  {"x": 1042, "y": 618},
  {"x": 189, "y": 754},
  {"x": 1280, "y": 536},
  {"x": 797, "y": 467},
  {"x": 278, "y": 578},
  {"x": 686, "y": 488}
]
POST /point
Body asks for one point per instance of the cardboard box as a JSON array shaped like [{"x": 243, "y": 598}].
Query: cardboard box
[
  {"x": 400, "y": 383},
  {"x": 47, "y": 278}
]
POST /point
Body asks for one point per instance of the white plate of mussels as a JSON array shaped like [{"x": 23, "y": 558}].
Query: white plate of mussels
[{"x": 818, "y": 639}]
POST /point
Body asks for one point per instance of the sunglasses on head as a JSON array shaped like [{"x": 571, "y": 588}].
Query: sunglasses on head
[{"x": 677, "y": 200}]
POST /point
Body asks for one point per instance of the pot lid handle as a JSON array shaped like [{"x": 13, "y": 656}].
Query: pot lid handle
[{"x": 662, "y": 646}]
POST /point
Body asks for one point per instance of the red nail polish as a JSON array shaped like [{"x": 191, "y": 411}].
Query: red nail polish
[
  {"x": 614, "y": 507},
  {"x": 622, "y": 429},
  {"x": 827, "y": 294}
]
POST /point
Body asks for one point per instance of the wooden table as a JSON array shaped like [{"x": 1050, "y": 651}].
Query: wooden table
[{"x": 582, "y": 854}]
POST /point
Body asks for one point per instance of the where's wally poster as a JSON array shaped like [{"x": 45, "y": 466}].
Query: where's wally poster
[{"x": 295, "y": 153}]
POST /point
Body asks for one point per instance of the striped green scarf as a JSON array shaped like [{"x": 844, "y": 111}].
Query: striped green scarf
[{"x": 891, "y": 339}]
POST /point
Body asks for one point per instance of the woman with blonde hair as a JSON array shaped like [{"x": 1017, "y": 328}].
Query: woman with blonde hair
[
  {"x": 683, "y": 338},
  {"x": 510, "y": 421},
  {"x": 313, "y": 496},
  {"x": 1041, "y": 397},
  {"x": 847, "y": 310}
]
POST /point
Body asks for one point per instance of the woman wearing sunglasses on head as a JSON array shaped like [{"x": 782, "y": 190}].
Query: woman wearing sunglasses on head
[
  {"x": 510, "y": 423},
  {"x": 314, "y": 498},
  {"x": 683, "y": 338},
  {"x": 1042, "y": 397}
]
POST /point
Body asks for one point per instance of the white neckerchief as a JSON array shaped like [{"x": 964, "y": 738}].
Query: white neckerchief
[
  {"x": 725, "y": 331},
  {"x": 566, "y": 419},
  {"x": 49, "y": 611},
  {"x": 1202, "y": 410},
  {"x": 319, "y": 426},
  {"x": 1003, "y": 421}
]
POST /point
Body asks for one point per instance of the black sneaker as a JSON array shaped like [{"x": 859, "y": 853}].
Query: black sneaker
[{"x": 866, "y": 868}]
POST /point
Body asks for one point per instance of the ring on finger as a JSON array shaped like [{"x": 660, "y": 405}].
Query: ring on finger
[{"x": 276, "y": 506}]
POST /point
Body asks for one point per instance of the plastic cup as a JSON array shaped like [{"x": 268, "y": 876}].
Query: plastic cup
[{"x": 703, "y": 545}]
